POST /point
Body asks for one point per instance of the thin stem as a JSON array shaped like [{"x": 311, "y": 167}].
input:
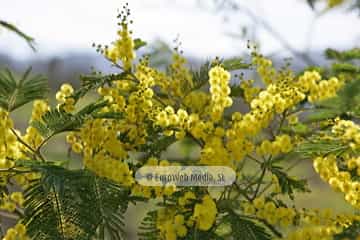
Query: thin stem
[
  {"x": 22, "y": 141},
  {"x": 282, "y": 120},
  {"x": 259, "y": 183},
  {"x": 8, "y": 215},
  {"x": 34, "y": 151},
  {"x": 264, "y": 168},
  {"x": 8, "y": 170},
  {"x": 254, "y": 159},
  {"x": 198, "y": 141},
  {"x": 241, "y": 191}
]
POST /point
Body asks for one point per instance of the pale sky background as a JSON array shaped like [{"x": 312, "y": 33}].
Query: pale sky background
[{"x": 73, "y": 25}]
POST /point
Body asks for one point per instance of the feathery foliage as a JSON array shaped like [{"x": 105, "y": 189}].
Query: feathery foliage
[
  {"x": 74, "y": 204},
  {"x": 14, "y": 92},
  {"x": 247, "y": 229}
]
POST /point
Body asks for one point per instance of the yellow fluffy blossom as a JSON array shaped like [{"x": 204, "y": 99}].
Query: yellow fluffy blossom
[
  {"x": 64, "y": 98},
  {"x": 205, "y": 213},
  {"x": 32, "y": 136},
  {"x": 123, "y": 48},
  {"x": 16, "y": 233},
  {"x": 170, "y": 224},
  {"x": 316, "y": 88},
  {"x": 219, "y": 88},
  {"x": 264, "y": 68},
  {"x": 270, "y": 212},
  {"x": 181, "y": 78},
  {"x": 282, "y": 144},
  {"x": 250, "y": 92}
]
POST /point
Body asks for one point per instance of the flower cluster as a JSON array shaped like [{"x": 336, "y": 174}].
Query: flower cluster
[
  {"x": 16, "y": 233},
  {"x": 205, "y": 213},
  {"x": 270, "y": 212},
  {"x": 32, "y": 136},
  {"x": 281, "y": 144},
  {"x": 102, "y": 152},
  {"x": 171, "y": 226},
  {"x": 341, "y": 170},
  {"x": 323, "y": 224},
  {"x": 174, "y": 222},
  {"x": 264, "y": 68},
  {"x": 310, "y": 82},
  {"x": 220, "y": 91},
  {"x": 123, "y": 48},
  {"x": 140, "y": 112},
  {"x": 250, "y": 92},
  {"x": 9, "y": 203},
  {"x": 8, "y": 142},
  {"x": 65, "y": 99},
  {"x": 180, "y": 77},
  {"x": 348, "y": 132},
  {"x": 338, "y": 180}
]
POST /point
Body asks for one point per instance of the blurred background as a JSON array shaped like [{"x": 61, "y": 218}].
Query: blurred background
[{"x": 64, "y": 32}]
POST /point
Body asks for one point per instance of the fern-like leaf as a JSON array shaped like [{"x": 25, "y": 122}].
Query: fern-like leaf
[
  {"x": 112, "y": 202},
  {"x": 56, "y": 120},
  {"x": 59, "y": 207},
  {"x": 147, "y": 229},
  {"x": 247, "y": 229},
  {"x": 289, "y": 185},
  {"x": 14, "y": 93},
  {"x": 313, "y": 148},
  {"x": 346, "y": 104},
  {"x": 236, "y": 63},
  {"x": 347, "y": 55},
  {"x": 74, "y": 204}
]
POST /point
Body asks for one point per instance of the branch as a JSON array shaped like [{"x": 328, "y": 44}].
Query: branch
[
  {"x": 29, "y": 40},
  {"x": 36, "y": 152}
]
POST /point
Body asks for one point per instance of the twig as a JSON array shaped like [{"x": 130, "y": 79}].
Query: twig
[{"x": 34, "y": 151}]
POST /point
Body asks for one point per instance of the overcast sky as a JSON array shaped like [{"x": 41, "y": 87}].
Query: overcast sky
[{"x": 69, "y": 25}]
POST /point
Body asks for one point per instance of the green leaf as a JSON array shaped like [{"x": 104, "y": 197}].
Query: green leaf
[
  {"x": 148, "y": 229},
  {"x": 201, "y": 76},
  {"x": 235, "y": 64},
  {"x": 74, "y": 204},
  {"x": 138, "y": 43},
  {"x": 58, "y": 206},
  {"x": 351, "y": 232},
  {"x": 347, "y": 55},
  {"x": 13, "y": 28},
  {"x": 322, "y": 114},
  {"x": 288, "y": 184},
  {"x": 345, "y": 105},
  {"x": 56, "y": 120},
  {"x": 112, "y": 202},
  {"x": 247, "y": 229},
  {"x": 95, "y": 80},
  {"x": 298, "y": 128},
  {"x": 156, "y": 141},
  {"x": 14, "y": 93},
  {"x": 318, "y": 147},
  {"x": 236, "y": 91},
  {"x": 338, "y": 68}
]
